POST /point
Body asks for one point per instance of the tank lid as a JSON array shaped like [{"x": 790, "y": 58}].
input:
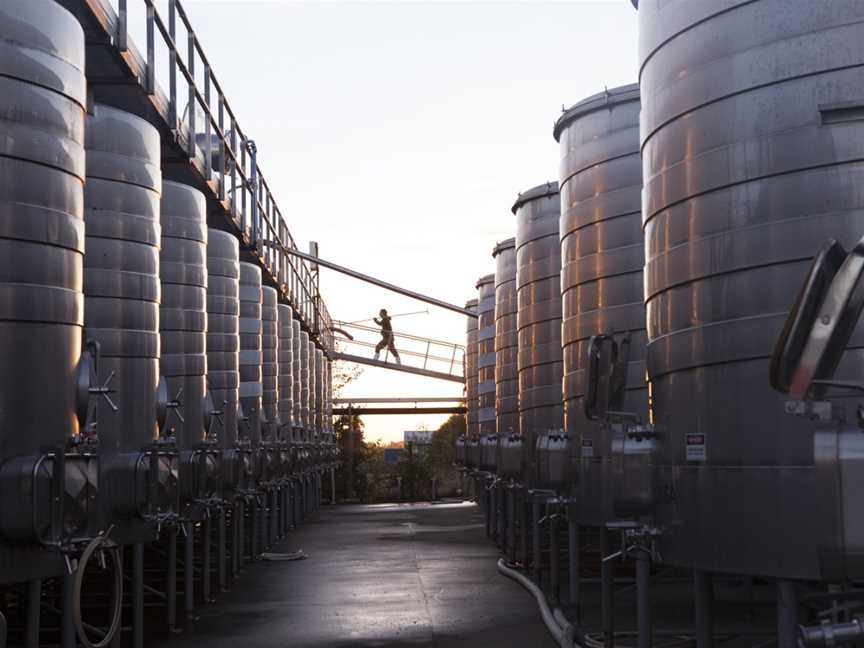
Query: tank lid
[
  {"x": 509, "y": 244},
  {"x": 605, "y": 99},
  {"x": 540, "y": 191},
  {"x": 485, "y": 280}
]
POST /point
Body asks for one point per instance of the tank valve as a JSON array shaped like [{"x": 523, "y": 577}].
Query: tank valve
[{"x": 830, "y": 634}]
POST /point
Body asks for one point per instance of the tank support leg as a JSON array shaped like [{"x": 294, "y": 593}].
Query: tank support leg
[
  {"x": 68, "y": 639},
  {"x": 220, "y": 552},
  {"x": 554, "y": 559},
  {"x": 523, "y": 528},
  {"x": 643, "y": 595},
  {"x": 787, "y": 614},
  {"x": 206, "y": 530},
  {"x": 171, "y": 580},
  {"x": 188, "y": 570},
  {"x": 703, "y": 584},
  {"x": 537, "y": 560},
  {"x": 573, "y": 563},
  {"x": 34, "y": 602},
  {"x": 239, "y": 530},
  {"x": 254, "y": 522},
  {"x": 511, "y": 526},
  {"x": 138, "y": 595},
  {"x": 333, "y": 486},
  {"x": 607, "y": 590}
]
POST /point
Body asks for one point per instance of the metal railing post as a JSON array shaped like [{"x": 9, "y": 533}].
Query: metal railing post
[
  {"x": 172, "y": 64},
  {"x": 122, "y": 27}
]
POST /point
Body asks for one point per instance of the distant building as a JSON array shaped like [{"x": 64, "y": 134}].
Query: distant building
[{"x": 418, "y": 437}]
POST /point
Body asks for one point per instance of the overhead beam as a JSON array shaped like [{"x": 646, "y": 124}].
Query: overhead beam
[
  {"x": 440, "y": 375},
  {"x": 375, "y": 411},
  {"x": 374, "y": 401},
  {"x": 382, "y": 284}
]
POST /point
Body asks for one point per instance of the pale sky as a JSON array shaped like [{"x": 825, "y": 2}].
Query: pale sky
[{"x": 398, "y": 134}]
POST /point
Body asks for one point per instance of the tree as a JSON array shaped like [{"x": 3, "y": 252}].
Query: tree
[{"x": 442, "y": 452}]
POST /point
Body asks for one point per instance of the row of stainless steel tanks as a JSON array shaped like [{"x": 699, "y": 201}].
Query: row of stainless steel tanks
[
  {"x": 154, "y": 389},
  {"x": 635, "y": 313}
]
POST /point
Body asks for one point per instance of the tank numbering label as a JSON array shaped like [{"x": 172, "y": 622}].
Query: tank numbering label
[{"x": 695, "y": 446}]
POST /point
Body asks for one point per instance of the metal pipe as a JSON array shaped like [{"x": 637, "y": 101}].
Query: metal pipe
[
  {"x": 378, "y": 282},
  {"x": 703, "y": 585},
  {"x": 643, "y": 598},
  {"x": 573, "y": 564},
  {"x": 787, "y": 614},
  {"x": 523, "y": 528},
  {"x": 831, "y": 634},
  {"x": 373, "y": 401},
  {"x": 333, "y": 486}
]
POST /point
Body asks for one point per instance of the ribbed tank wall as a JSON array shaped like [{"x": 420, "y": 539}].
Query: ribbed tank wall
[
  {"x": 320, "y": 404},
  {"x": 223, "y": 332},
  {"x": 270, "y": 359},
  {"x": 183, "y": 311},
  {"x": 42, "y": 170},
  {"x": 286, "y": 370},
  {"x": 751, "y": 147},
  {"x": 121, "y": 271},
  {"x": 506, "y": 342},
  {"x": 313, "y": 403},
  {"x": 486, "y": 355},
  {"x": 328, "y": 395},
  {"x": 251, "y": 385},
  {"x": 602, "y": 256},
  {"x": 297, "y": 373},
  {"x": 538, "y": 318},
  {"x": 472, "y": 422},
  {"x": 304, "y": 383}
]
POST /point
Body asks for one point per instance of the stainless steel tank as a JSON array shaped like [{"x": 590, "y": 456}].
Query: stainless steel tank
[
  {"x": 602, "y": 256},
  {"x": 183, "y": 310},
  {"x": 472, "y": 422},
  {"x": 538, "y": 317},
  {"x": 286, "y": 371},
  {"x": 122, "y": 294},
  {"x": 42, "y": 170},
  {"x": 320, "y": 404},
  {"x": 183, "y": 338},
  {"x": 251, "y": 385},
  {"x": 751, "y": 146},
  {"x": 270, "y": 361},
  {"x": 297, "y": 373},
  {"x": 486, "y": 354},
  {"x": 223, "y": 334},
  {"x": 304, "y": 386},
  {"x": 313, "y": 402},
  {"x": 506, "y": 341}
]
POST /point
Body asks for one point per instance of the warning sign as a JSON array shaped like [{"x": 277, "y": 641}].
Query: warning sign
[{"x": 695, "y": 446}]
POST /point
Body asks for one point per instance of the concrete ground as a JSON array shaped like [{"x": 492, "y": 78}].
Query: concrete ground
[{"x": 377, "y": 575}]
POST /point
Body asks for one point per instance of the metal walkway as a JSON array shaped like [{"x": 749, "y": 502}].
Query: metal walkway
[
  {"x": 417, "y": 371},
  {"x": 420, "y": 356},
  {"x": 203, "y": 144}
]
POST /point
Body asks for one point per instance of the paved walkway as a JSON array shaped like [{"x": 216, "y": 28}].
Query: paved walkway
[{"x": 377, "y": 575}]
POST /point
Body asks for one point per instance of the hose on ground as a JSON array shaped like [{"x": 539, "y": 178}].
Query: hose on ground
[
  {"x": 562, "y": 633},
  {"x": 99, "y": 543}
]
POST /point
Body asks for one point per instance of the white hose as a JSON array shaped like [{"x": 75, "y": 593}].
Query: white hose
[{"x": 563, "y": 633}]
